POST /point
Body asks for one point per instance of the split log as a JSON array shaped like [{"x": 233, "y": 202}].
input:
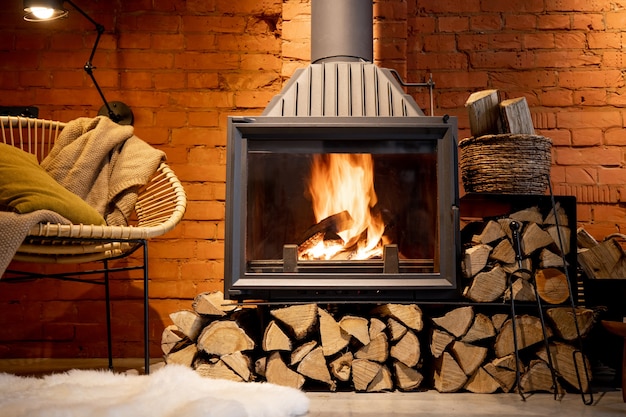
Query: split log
[
  {"x": 475, "y": 259},
  {"x": 487, "y": 286},
  {"x": 481, "y": 328},
  {"x": 561, "y": 235},
  {"x": 584, "y": 240},
  {"x": 481, "y": 382},
  {"x": 562, "y": 319},
  {"x": 276, "y": 372},
  {"x": 408, "y": 314},
  {"x": 299, "y": 318},
  {"x": 301, "y": 351},
  {"x": 212, "y": 304},
  {"x": 533, "y": 238},
  {"x": 605, "y": 260},
  {"x": 439, "y": 341},
  {"x": 407, "y": 378},
  {"x": 407, "y": 350},
  {"x": 549, "y": 259},
  {"x": 184, "y": 356},
  {"x": 364, "y": 372},
  {"x": 504, "y": 252},
  {"x": 456, "y": 321},
  {"x": 188, "y": 322},
  {"x": 515, "y": 267},
  {"x": 538, "y": 377},
  {"x": 382, "y": 381},
  {"x": 217, "y": 370},
  {"x": 528, "y": 330},
  {"x": 498, "y": 320},
  {"x": 505, "y": 224},
  {"x": 223, "y": 337},
  {"x": 314, "y": 366},
  {"x": 492, "y": 232},
  {"x": 357, "y": 327},
  {"x": 275, "y": 339},
  {"x": 522, "y": 291},
  {"x": 449, "y": 377},
  {"x": 342, "y": 366},
  {"x": 516, "y": 116},
  {"x": 396, "y": 329},
  {"x": 506, "y": 378},
  {"x": 552, "y": 285},
  {"x": 239, "y": 363},
  {"x": 333, "y": 337},
  {"x": 507, "y": 362},
  {"x": 377, "y": 350},
  {"x": 528, "y": 215},
  {"x": 569, "y": 362},
  {"x": 484, "y": 113},
  {"x": 469, "y": 357},
  {"x": 561, "y": 216},
  {"x": 377, "y": 326},
  {"x": 172, "y": 339}
]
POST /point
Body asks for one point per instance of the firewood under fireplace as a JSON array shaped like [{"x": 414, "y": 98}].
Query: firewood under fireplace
[{"x": 375, "y": 348}]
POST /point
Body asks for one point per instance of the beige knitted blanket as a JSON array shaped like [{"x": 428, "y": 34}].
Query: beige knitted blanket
[
  {"x": 15, "y": 228},
  {"x": 104, "y": 163}
]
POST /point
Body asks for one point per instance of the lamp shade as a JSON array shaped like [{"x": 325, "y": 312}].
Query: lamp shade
[{"x": 41, "y": 10}]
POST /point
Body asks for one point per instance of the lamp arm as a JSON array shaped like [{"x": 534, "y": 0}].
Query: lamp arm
[{"x": 89, "y": 66}]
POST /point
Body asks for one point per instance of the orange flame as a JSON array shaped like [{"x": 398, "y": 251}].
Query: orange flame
[{"x": 345, "y": 182}]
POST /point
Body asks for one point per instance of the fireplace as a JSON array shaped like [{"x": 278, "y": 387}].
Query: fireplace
[{"x": 342, "y": 190}]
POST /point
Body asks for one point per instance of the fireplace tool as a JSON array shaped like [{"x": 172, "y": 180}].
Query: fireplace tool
[
  {"x": 579, "y": 351},
  {"x": 515, "y": 229}
]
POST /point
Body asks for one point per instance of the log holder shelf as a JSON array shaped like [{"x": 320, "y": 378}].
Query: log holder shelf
[{"x": 578, "y": 352}]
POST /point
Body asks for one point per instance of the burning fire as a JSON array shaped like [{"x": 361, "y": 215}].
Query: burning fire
[{"x": 342, "y": 190}]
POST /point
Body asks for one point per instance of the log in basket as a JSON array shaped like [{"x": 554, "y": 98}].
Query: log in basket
[{"x": 505, "y": 163}]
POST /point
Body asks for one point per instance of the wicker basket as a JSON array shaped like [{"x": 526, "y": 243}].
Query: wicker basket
[{"x": 506, "y": 163}]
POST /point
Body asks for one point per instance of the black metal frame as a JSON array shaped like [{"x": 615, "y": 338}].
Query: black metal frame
[
  {"x": 241, "y": 284},
  {"x": 16, "y": 276}
]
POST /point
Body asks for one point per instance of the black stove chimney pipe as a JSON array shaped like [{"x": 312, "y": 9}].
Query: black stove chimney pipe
[{"x": 342, "y": 30}]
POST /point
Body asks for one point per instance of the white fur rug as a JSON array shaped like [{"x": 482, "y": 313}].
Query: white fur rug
[{"x": 173, "y": 391}]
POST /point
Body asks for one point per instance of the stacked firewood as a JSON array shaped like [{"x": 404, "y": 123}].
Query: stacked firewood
[
  {"x": 497, "y": 262},
  {"x": 299, "y": 344},
  {"x": 379, "y": 349},
  {"x": 521, "y": 256},
  {"x": 480, "y": 353}
]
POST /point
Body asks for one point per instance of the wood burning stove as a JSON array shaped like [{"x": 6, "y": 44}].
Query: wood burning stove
[
  {"x": 270, "y": 212},
  {"x": 342, "y": 189}
]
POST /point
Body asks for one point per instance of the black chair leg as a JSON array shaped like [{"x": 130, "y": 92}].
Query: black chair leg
[
  {"x": 107, "y": 297},
  {"x": 146, "y": 310}
]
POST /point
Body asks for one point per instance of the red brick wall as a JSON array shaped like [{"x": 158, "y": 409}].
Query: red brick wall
[{"x": 184, "y": 66}]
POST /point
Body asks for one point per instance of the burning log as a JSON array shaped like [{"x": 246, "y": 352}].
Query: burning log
[{"x": 324, "y": 231}]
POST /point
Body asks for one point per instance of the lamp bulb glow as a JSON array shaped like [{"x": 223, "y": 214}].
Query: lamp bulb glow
[{"x": 42, "y": 12}]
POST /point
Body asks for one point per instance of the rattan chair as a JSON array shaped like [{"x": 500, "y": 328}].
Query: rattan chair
[{"x": 159, "y": 208}]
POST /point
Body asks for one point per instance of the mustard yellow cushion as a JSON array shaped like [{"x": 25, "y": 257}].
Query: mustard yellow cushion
[{"x": 26, "y": 187}]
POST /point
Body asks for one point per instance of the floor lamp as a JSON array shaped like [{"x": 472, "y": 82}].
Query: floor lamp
[{"x": 44, "y": 10}]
